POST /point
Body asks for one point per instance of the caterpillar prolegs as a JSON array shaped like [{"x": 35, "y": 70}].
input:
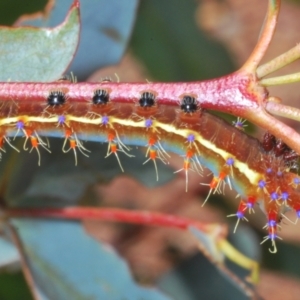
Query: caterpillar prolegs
[{"x": 259, "y": 172}]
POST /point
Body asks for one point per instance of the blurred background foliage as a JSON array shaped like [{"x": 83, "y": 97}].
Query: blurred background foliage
[{"x": 168, "y": 42}]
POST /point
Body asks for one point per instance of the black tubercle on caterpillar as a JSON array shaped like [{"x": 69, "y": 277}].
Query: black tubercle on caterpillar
[
  {"x": 147, "y": 100},
  {"x": 100, "y": 97},
  {"x": 189, "y": 104},
  {"x": 56, "y": 98}
]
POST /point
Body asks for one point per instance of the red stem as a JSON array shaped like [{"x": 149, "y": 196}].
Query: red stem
[
  {"x": 282, "y": 131},
  {"x": 110, "y": 214},
  {"x": 265, "y": 37},
  {"x": 238, "y": 94},
  {"x": 228, "y": 93}
]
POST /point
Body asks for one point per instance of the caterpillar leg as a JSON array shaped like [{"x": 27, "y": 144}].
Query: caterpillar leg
[
  {"x": 153, "y": 156},
  {"x": 4, "y": 140},
  {"x": 214, "y": 185},
  {"x": 240, "y": 214},
  {"x": 74, "y": 144},
  {"x": 190, "y": 162},
  {"x": 36, "y": 141},
  {"x": 156, "y": 151},
  {"x": 271, "y": 226},
  {"x": 115, "y": 145}
]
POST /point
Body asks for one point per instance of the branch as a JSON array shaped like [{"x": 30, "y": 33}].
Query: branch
[
  {"x": 268, "y": 30},
  {"x": 279, "y": 62},
  {"x": 216, "y": 231},
  {"x": 290, "y": 78},
  {"x": 282, "y": 131},
  {"x": 238, "y": 94},
  {"x": 285, "y": 111},
  {"x": 112, "y": 214}
]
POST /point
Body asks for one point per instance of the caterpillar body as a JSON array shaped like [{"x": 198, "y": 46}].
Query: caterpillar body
[{"x": 259, "y": 172}]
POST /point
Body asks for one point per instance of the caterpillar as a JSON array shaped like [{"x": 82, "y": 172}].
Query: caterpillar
[{"x": 261, "y": 173}]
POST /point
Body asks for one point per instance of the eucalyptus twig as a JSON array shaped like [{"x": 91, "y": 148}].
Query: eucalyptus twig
[
  {"x": 265, "y": 38},
  {"x": 279, "y": 62},
  {"x": 216, "y": 231},
  {"x": 112, "y": 214},
  {"x": 290, "y": 78},
  {"x": 285, "y": 111},
  {"x": 282, "y": 131}
]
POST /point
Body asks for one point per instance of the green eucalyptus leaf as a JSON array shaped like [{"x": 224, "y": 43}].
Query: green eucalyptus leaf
[
  {"x": 39, "y": 54},
  {"x": 106, "y": 29},
  {"x": 66, "y": 263}
]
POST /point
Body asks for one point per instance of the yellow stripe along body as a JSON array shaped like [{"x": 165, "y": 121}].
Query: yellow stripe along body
[{"x": 213, "y": 142}]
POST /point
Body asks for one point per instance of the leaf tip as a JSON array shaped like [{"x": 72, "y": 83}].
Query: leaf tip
[{"x": 76, "y": 4}]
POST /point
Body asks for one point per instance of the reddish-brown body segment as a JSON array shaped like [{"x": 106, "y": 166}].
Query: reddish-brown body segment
[{"x": 258, "y": 172}]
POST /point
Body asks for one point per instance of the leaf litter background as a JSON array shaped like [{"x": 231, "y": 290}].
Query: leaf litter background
[{"x": 167, "y": 45}]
